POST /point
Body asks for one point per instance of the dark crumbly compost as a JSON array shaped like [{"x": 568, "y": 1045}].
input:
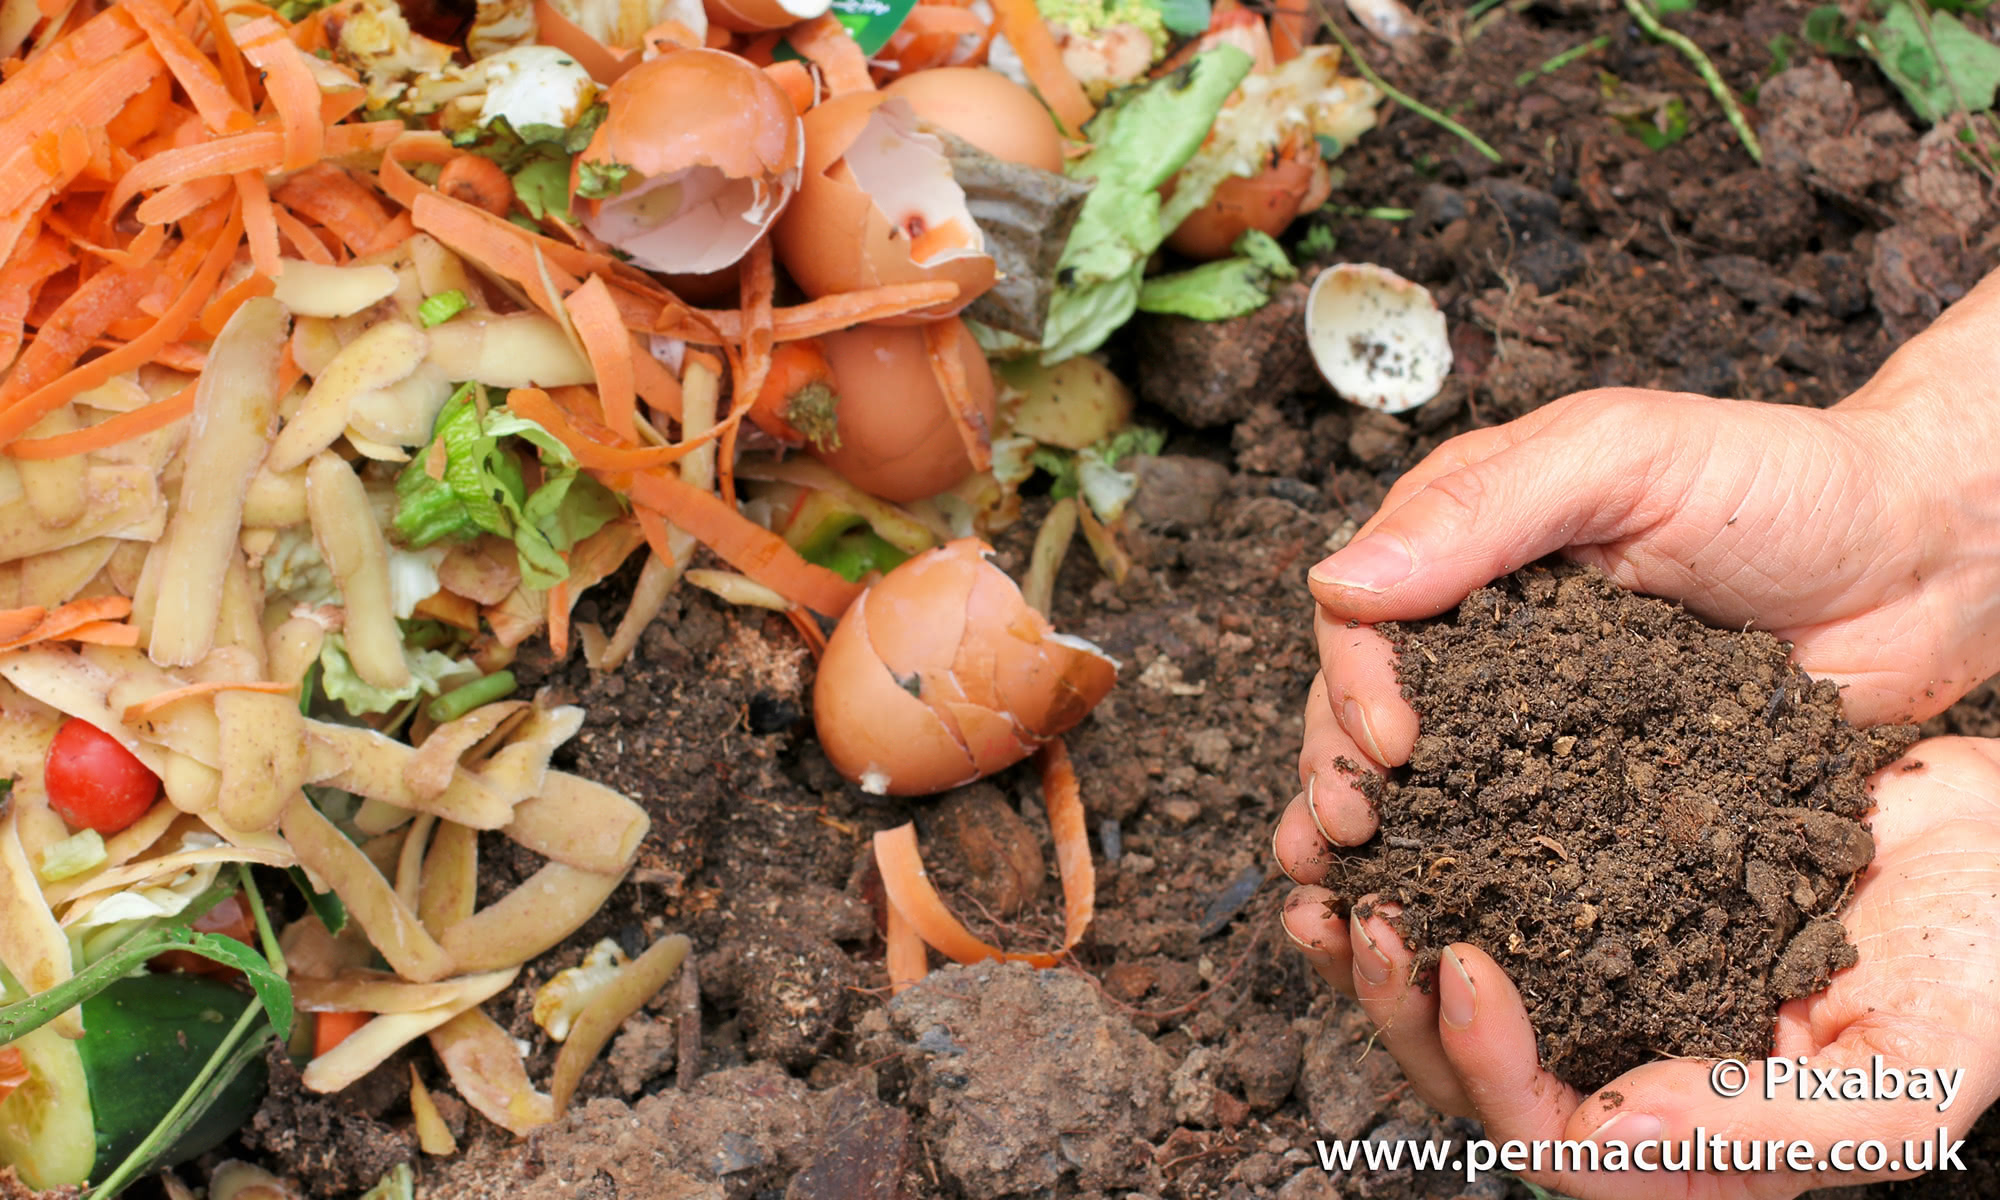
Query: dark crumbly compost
[{"x": 1649, "y": 823}]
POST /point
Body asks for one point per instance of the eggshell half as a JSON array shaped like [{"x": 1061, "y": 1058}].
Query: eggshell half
[
  {"x": 715, "y": 151},
  {"x": 987, "y": 109},
  {"x": 941, "y": 673},
  {"x": 878, "y": 205},
  {"x": 897, "y": 437},
  {"x": 1378, "y": 338}
]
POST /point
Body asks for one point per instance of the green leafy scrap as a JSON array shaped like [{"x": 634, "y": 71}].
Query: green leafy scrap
[
  {"x": 536, "y": 157},
  {"x": 1936, "y": 73},
  {"x": 436, "y": 310},
  {"x": 1224, "y": 289},
  {"x": 1189, "y": 18},
  {"x": 1828, "y": 30},
  {"x": 484, "y": 490},
  {"x": 601, "y": 180},
  {"x": 1138, "y": 142}
]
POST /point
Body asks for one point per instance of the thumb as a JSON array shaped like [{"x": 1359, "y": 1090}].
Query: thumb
[{"x": 1578, "y": 480}]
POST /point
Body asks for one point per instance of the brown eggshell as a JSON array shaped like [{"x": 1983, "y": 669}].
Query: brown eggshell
[
  {"x": 869, "y": 722},
  {"x": 940, "y": 673},
  {"x": 987, "y": 109},
  {"x": 757, "y": 16},
  {"x": 897, "y": 437},
  {"x": 709, "y": 117},
  {"x": 1268, "y": 201},
  {"x": 834, "y": 237}
]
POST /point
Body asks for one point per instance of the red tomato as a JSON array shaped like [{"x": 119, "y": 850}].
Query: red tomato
[{"x": 95, "y": 783}]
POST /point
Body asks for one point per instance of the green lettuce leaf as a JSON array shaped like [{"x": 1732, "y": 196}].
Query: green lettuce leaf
[
  {"x": 1226, "y": 288},
  {"x": 339, "y": 682},
  {"x": 484, "y": 490},
  {"x": 1138, "y": 143}
]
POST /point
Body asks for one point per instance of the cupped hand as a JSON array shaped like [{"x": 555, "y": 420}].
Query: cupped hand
[
  {"x": 1867, "y": 535},
  {"x": 1924, "y": 917}
]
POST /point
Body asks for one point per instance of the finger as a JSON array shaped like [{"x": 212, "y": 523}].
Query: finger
[
  {"x": 1362, "y": 689},
  {"x": 1312, "y": 922},
  {"x": 1484, "y": 1029},
  {"x": 1583, "y": 480},
  {"x": 1405, "y": 1015},
  {"x": 1328, "y": 762},
  {"x": 1462, "y": 451},
  {"x": 1298, "y": 845}
]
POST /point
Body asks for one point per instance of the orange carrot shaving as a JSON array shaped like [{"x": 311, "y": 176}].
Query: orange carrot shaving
[
  {"x": 333, "y": 198},
  {"x": 927, "y": 19},
  {"x": 497, "y": 247},
  {"x": 260, "y": 225},
  {"x": 183, "y": 200},
  {"x": 121, "y": 428},
  {"x": 104, "y": 633},
  {"x": 796, "y": 82},
  {"x": 609, "y": 348},
  {"x": 477, "y": 180},
  {"x": 16, "y": 622},
  {"x": 596, "y": 448},
  {"x": 141, "y": 709},
  {"x": 60, "y": 622},
  {"x": 292, "y": 89},
  {"x": 910, "y": 890},
  {"x": 224, "y": 306},
  {"x": 757, "y": 287},
  {"x": 332, "y": 1028},
  {"x": 229, "y": 56},
  {"x": 13, "y": 1070},
  {"x": 195, "y": 71},
  {"x": 654, "y": 528},
  {"x": 974, "y": 432},
  {"x": 20, "y": 281},
  {"x": 70, "y": 330},
  {"x": 1021, "y": 23},
  {"x": 741, "y": 542},
  {"x": 143, "y": 113},
  {"x": 828, "y": 314},
  {"x": 25, "y": 412},
  {"x": 559, "y": 602},
  {"x": 906, "y": 956},
  {"x": 809, "y": 630},
  {"x": 826, "y": 43},
  {"x": 309, "y": 244},
  {"x": 258, "y": 150},
  {"x": 400, "y": 229}
]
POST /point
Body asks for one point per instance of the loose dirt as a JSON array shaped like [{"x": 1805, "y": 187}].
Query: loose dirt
[{"x": 1651, "y": 824}]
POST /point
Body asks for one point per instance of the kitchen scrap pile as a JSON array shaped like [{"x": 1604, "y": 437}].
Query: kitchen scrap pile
[{"x": 346, "y": 347}]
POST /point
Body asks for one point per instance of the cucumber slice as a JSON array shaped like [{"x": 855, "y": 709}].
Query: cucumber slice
[
  {"x": 88, "y": 1104},
  {"x": 45, "y": 1125}
]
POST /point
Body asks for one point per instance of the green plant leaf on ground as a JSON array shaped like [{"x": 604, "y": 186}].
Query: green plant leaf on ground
[
  {"x": 1935, "y": 73},
  {"x": 1828, "y": 30}
]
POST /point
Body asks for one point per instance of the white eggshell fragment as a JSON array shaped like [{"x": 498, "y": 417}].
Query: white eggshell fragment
[{"x": 1377, "y": 338}]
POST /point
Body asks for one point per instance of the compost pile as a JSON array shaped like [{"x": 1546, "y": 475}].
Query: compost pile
[{"x": 1650, "y": 823}]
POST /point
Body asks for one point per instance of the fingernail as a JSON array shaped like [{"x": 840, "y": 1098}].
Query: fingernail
[
  {"x": 1308, "y": 949},
  {"x": 1354, "y": 719},
  {"x": 1279, "y": 860},
  {"x": 1369, "y": 961},
  {"x": 1630, "y": 1128},
  {"x": 1312, "y": 786},
  {"x": 1457, "y": 1000},
  {"x": 1373, "y": 564}
]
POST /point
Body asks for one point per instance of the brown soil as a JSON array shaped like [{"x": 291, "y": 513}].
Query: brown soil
[
  {"x": 1649, "y": 823},
  {"x": 1584, "y": 260}
]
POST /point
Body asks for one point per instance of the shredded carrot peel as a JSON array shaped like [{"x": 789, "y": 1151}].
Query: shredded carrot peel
[{"x": 916, "y": 902}]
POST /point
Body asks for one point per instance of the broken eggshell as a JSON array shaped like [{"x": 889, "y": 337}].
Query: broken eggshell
[
  {"x": 878, "y": 205},
  {"x": 711, "y": 151},
  {"x": 941, "y": 674},
  {"x": 1377, "y": 338}
]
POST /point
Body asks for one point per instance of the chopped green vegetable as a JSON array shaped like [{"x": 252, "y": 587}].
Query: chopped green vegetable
[
  {"x": 1963, "y": 65},
  {"x": 484, "y": 490},
  {"x": 1189, "y": 18},
  {"x": 436, "y": 310},
  {"x": 358, "y": 696},
  {"x": 1138, "y": 143},
  {"x": 542, "y": 186},
  {"x": 75, "y": 854},
  {"x": 601, "y": 180},
  {"x": 1084, "y": 18},
  {"x": 463, "y": 699},
  {"x": 325, "y": 905},
  {"x": 1226, "y": 288}
]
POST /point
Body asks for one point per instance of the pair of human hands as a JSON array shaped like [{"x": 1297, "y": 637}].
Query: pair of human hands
[{"x": 1867, "y": 535}]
